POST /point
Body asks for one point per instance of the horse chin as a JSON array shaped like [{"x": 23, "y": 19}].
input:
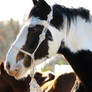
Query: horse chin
[{"x": 18, "y": 77}]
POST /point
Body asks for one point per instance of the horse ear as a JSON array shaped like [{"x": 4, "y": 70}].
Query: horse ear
[
  {"x": 35, "y": 2},
  {"x": 2, "y": 68}
]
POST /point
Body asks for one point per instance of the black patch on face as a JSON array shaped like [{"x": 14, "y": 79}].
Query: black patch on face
[
  {"x": 71, "y": 13},
  {"x": 81, "y": 62},
  {"x": 40, "y": 10},
  {"x": 33, "y": 39}
]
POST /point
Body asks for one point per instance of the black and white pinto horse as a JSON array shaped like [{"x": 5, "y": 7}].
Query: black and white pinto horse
[{"x": 68, "y": 31}]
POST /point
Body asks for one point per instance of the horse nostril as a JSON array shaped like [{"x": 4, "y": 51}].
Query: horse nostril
[{"x": 8, "y": 65}]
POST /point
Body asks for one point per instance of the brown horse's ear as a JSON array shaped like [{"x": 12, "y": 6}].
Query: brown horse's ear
[
  {"x": 35, "y": 2},
  {"x": 2, "y": 68}
]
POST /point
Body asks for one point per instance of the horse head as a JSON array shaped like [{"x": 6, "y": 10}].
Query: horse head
[{"x": 41, "y": 18}]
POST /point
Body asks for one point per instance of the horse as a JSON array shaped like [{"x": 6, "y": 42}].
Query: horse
[
  {"x": 50, "y": 30},
  {"x": 10, "y": 84},
  {"x": 61, "y": 83}
]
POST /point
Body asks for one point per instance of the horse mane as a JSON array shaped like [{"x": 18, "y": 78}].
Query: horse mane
[{"x": 59, "y": 11}]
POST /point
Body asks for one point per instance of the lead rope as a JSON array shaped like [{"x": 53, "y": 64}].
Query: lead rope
[{"x": 34, "y": 87}]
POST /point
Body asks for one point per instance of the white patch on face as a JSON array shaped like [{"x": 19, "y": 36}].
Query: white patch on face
[{"x": 19, "y": 42}]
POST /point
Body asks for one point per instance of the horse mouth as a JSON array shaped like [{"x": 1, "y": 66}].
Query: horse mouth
[
  {"x": 11, "y": 73},
  {"x": 14, "y": 74}
]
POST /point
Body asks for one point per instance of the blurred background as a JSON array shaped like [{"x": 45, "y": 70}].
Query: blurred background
[{"x": 13, "y": 14}]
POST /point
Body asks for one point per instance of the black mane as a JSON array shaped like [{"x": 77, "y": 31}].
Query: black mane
[{"x": 71, "y": 14}]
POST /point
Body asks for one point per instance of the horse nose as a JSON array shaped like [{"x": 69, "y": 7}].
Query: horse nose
[{"x": 8, "y": 66}]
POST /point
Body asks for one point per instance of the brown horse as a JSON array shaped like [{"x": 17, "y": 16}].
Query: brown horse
[
  {"x": 48, "y": 82},
  {"x": 10, "y": 84},
  {"x": 62, "y": 83}
]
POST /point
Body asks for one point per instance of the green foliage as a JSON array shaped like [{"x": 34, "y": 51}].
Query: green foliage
[
  {"x": 50, "y": 68},
  {"x": 60, "y": 62}
]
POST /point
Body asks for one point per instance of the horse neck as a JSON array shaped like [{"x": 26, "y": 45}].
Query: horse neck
[{"x": 78, "y": 50}]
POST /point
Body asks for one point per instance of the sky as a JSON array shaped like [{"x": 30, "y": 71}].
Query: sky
[
  {"x": 18, "y": 9},
  {"x": 15, "y": 9}
]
